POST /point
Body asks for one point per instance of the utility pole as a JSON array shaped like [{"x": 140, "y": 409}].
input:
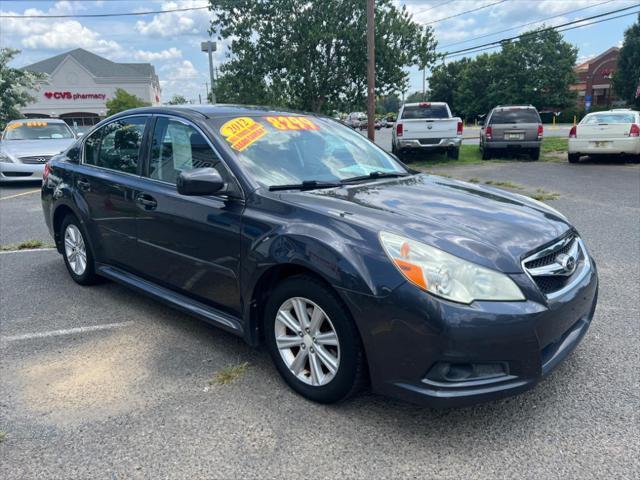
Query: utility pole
[
  {"x": 424, "y": 84},
  {"x": 210, "y": 47},
  {"x": 371, "y": 70}
]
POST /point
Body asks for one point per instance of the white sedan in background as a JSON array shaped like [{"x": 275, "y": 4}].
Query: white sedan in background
[{"x": 614, "y": 132}]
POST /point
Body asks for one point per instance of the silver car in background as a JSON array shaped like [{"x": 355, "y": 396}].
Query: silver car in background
[
  {"x": 515, "y": 128},
  {"x": 26, "y": 145}
]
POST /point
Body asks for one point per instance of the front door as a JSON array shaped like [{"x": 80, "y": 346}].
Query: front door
[
  {"x": 106, "y": 181},
  {"x": 190, "y": 244}
]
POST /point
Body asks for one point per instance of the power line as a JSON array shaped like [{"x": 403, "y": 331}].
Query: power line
[
  {"x": 100, "y": 15},
  {"x": 465, "y": 12},
  {"x": 481, "y": 48},
  {"x": 497, "y": 42},
  {"x": 419, "y": 12},
  {"x": 526, "y": 24}
]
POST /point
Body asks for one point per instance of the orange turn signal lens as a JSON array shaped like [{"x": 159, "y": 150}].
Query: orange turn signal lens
[{"x": 412, "y": 272}]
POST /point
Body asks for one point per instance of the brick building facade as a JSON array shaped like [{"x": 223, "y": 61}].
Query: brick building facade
[{"x": 593, "y": 84}]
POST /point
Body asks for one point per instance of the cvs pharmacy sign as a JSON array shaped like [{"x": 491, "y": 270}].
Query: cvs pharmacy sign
[{"x": 74, "y": 96}]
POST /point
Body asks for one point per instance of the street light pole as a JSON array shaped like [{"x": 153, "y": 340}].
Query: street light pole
[
  {"x": 210, "y": 47},
  {"x": 371, "y": 69}
]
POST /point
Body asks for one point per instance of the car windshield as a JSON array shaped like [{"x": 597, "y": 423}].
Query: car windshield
[
  {"x": 609, "y": 118},
  {"x": 516, "y": 115},
  {"x": 283, "y": 150},
  {"x": 37, "y": 130},
  {"x": 427, "y": 110}
]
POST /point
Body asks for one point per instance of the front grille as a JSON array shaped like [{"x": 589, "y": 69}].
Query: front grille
[
  {"x": 546, "y": 269},
  {"x": 550, "y": 258},
  {"x": 37, "y": 160},
  {"x": 429, "y": 141}
]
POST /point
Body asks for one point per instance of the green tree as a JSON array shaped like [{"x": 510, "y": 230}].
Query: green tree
[
  {"x": 123, "y": 100},
  {"x": 445, "y": 79},
  {"x": 477, "y": 91},
  {"x": 626, "y": 79},
  {"x": 537, "y": 69},
  {"x": 313, "y": 55},
  {"x": 15, "y": 86},
  {"x": 414, "y": 97},
  {"x": 177, "y": 100}
]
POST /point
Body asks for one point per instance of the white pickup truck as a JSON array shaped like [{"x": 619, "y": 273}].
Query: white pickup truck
[{"x": 426, "y": 126}]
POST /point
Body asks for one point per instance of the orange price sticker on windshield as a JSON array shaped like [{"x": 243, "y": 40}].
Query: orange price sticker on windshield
[
  {"x": 242, "y": 132},
  {"x": 292, "y": 123}
]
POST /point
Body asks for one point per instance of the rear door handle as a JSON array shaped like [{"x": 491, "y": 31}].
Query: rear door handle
[
  {"x": 83, "y": 184},
  {"x": 146, "y": 201}
]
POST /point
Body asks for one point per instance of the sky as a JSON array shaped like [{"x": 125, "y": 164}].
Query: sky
[{"x": 171, "y": 41}]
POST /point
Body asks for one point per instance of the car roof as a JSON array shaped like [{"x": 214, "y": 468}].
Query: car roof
[
  {"x": 43, "y": 119},
  {"x": 505, "y": 107},
  {"x": 214, "y": 111},
  {"x": 417, "y": 104}
]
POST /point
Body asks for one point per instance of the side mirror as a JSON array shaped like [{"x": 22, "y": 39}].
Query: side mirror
[
  {"x": 73, "y": 154},
  {"x": 199, "y": 181},
  {"x": 481, "y": 122}
]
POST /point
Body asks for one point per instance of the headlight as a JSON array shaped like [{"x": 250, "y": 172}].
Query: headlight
[
  {"x": 4, "y": 158},
  {"x": 445, "y": 275}
]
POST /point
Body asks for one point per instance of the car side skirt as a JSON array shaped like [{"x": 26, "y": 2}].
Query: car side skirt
[{"x": 173, "y": 299}]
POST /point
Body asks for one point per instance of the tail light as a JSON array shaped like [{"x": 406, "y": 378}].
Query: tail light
[
  {"x": 459, "y": 128},
  {"x": 635, "y": 130},
  {"x": 572, "y": 132},
  {"x": 46, "y": 172},
  {"x": 424, "y": 104},
  {"x": 488, "y": 133},
  {"x": 399, "y": 129},
  {"x": 540, "y": 131}
]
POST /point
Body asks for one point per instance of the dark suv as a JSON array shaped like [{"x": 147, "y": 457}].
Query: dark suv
[
  {"x": 514, "y": 128},
  {"x": 297, "y": 232}
]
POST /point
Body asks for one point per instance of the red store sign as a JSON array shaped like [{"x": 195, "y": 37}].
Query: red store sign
[{"x": 74, "y": 96}]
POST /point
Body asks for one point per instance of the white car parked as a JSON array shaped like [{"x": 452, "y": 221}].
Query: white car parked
[{"x": 614, "y": 132}]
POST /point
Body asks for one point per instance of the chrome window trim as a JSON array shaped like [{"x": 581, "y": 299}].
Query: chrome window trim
[
  {"x": 87, "y": 137},
  {"x": 189, "y": 123},
  {"x": 586, "y": 268}
]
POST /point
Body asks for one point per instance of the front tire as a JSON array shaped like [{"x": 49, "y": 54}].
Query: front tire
[
  {"x": 76, "y": 252},
  {"x": 573, "y": 157},
  {"x": 313, "y": 341}
]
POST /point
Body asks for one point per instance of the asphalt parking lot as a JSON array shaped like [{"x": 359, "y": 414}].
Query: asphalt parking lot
[{"x": 100, "y": 382}]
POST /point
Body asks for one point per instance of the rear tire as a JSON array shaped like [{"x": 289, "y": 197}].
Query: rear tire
[
  {"x": 535, "y": 154},
  {"x": 320, "y": 378},
  {"x": 486, "y": 154},
  {"x": 453, "y": 153},
  {"x": 77, "y": 253},
  {"x": 573, "y": 157}
]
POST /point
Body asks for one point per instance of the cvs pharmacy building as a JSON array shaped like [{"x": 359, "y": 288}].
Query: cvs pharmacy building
[{"x": 79, "y": 83}]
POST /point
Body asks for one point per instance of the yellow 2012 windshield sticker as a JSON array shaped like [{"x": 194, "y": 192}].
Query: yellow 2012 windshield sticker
[
  {"x": 292, "y": 123},
  {"x": 242, "y": 132}
]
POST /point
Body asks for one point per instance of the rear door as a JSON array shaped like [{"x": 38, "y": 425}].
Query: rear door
[
  {"x": 106, "y": 182},
  {"x": 428, "y": 121},
  {"x": 514, "y": 124},
  {"x": 190, "y": 244}
]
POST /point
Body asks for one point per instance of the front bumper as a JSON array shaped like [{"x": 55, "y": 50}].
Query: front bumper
[
  {"x": 416, "y": 144},
  {"x": 20, "y": 172},
  {"x": 409, "y": 335},
  {"x": 617, "y": 146}
]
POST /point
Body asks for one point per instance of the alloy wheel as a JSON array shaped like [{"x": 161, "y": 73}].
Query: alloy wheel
[
  {"x": 75, "y": 249},
  {"x": 307, "y": 341}
]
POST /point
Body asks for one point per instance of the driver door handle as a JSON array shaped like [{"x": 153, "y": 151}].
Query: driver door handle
[{"x": 146, "y": 201}]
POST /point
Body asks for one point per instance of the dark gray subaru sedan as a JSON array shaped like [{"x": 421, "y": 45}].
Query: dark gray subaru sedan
[{"x": 294, "y": 231}]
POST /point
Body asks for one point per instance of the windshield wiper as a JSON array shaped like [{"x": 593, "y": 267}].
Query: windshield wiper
[
  {"x": 306, "y": 185},
  {"x": 374, "y": 175}
]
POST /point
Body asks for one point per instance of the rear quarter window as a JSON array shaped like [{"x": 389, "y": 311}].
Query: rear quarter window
[
  {"x": 427, "y": 111},
  {"x": 515, "y": 116}
]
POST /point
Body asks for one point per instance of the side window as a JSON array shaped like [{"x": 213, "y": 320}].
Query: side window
[
  {"x": 177, "y": 147},
  {"x": 116, "y": 146}
]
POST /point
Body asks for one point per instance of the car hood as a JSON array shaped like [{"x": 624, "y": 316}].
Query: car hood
[
  {"x": 30, "y": 148},
  {"x": 487, "y": 226}
]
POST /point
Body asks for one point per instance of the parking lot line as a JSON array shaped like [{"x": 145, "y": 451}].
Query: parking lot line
[
  {"x": 19, "y": 195},
  {"x": 67, "y": 331},
  {"x": 26, "y": 250}
]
